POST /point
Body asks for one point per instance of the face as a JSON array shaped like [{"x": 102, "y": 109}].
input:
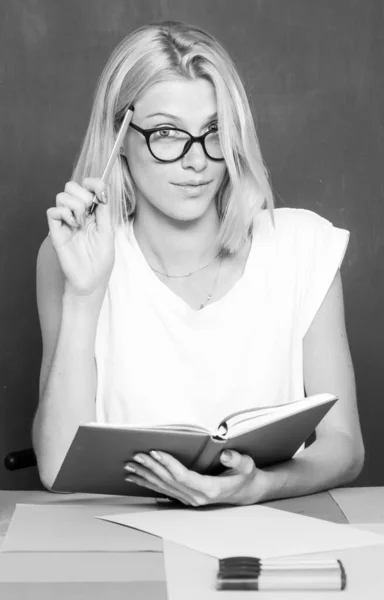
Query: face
[{"x": 186, "y": 189}]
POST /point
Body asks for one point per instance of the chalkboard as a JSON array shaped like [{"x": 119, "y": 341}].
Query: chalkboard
[{"x": 314, "y": 71}]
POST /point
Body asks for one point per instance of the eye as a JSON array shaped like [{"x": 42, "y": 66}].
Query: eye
[
  {"x": 213, "y": 126},
  {"x": 168, "y": 132}
]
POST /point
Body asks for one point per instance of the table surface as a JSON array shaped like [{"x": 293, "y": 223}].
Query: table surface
[{"x": 186, "y": 572}]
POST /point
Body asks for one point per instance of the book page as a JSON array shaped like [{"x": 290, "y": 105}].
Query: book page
[
  {"x": 242, "y": 422},
  {"x": 187, "y": 427},
  {"x": 245, "y": 415}
]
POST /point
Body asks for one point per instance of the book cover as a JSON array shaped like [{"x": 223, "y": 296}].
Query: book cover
[{"x": 96, "y": 458}]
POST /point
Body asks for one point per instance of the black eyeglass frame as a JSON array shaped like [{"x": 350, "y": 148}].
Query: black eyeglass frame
[{"x": 201, "y": 139}]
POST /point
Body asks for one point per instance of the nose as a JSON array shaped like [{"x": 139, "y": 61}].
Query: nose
[{"x": 195, "y": 158}]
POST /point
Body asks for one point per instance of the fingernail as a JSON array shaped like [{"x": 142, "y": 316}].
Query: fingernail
[
  {"x": 155, "y": 455},
  {"x": 129, "y": 479},
  {"x": 104, "y": 198},
  {"x": 140, "y": 459},
  {"x": 226, "y": 455},
  {"x": 75, "y": 221},
  {"x": 130, "y": 468}
]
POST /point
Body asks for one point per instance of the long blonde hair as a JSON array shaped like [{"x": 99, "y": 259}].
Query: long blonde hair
[{"x": 157, "y": 52}]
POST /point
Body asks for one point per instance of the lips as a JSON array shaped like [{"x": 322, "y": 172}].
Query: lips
[{"x": 192, "y": 183}]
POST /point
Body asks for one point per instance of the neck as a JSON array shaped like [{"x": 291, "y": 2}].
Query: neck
[{"x": 177, "y": 247}]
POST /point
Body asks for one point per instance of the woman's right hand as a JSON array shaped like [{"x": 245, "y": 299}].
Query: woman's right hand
[{"x": 84, "y": 243}]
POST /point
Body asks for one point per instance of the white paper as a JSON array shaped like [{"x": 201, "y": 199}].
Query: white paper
[
  {"x": 247, "y": 530},
  {"x": 71, "y": 529},
  {"x": 375, "y": 527}
]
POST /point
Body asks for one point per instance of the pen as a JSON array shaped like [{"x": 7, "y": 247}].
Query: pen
[
  {"x": 290, "y": 573},
  {"x": 114, "y": 152}
]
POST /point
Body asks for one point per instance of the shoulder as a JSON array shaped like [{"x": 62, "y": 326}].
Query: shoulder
[
  {"x": 291, "y": 218},
  {"x": 300, "y": 240},
  {"x": 296, "y": 226}
]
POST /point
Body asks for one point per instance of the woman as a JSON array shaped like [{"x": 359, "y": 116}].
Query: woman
[{"x": 186, "y": 296}]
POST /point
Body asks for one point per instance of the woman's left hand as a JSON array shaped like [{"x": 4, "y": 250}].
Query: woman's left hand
[{"x": 242, "y": 483}]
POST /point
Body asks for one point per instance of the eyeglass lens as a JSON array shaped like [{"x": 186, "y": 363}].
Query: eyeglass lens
[{"x": 169, "y": 144}]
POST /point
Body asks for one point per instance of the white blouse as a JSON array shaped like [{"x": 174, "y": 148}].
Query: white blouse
[{"x": 160, "y": 361}]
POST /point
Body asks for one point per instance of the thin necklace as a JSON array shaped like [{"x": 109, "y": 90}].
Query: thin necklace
[
  {"x": 187, "y": 274},
  {"x": 208, "y": 298}
]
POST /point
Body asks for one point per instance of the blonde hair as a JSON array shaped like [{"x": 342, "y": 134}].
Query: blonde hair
[{"x": 157, "y": 52}]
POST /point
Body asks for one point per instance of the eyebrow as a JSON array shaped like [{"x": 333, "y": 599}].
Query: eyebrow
[{"x": 175, "y": 118}]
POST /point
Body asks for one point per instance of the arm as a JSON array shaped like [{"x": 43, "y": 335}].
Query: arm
[
  {"x": 337, "y": 456},
  {"x": 68, "y": 374}
]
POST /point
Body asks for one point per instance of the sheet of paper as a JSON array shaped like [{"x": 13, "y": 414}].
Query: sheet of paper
[
  {"x": 81, "y": 566},
  {"x": 361, "y": 505},
  {"x": 247, "y": 530},
  {"x": 375, "y": 527},
  {"x": 9, "y": 498},
  {"x": 35, "y": 528}
]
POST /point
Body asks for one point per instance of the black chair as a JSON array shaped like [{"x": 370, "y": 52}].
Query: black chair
[{"x": 20, "y": 459}]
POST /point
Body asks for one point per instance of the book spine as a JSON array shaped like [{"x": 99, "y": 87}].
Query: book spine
[{"x": 208, "y": 455}]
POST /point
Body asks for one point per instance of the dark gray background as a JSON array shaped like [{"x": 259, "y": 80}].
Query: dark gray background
[{"x": 314, "y": 71}]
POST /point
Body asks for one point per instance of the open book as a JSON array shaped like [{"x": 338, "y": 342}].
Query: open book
[{"x": 95, "y": 460}]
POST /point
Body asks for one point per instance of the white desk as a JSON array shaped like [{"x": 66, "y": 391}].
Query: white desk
[{"x": 181, "y": 573}]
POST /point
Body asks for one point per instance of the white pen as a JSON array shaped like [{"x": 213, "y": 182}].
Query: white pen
[{"x": 114, "y": 152}]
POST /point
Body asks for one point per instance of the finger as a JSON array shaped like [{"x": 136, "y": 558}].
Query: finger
[
  {"x": 58, "y": 215},
  {"x": 103, "y": 215},
  {"x": 96, "y": 186},
  {"x": 159, "y": 477},
  {"x": 145, "y": 473},
  {"x": 75, "y": 189},
  {"x": 200, "y": 487},
  {"x": 241, "y": 463},
  {"x": 76, "y": 205},
  {"x": 154, "y": 465},
  {"x": 177, "y": 470}
]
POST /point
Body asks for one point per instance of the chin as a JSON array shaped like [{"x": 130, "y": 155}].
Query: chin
[{"x": 190, "y": 213}]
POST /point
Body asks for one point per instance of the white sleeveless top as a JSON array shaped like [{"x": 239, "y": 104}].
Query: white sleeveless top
[{"x": 160, "y": 361}]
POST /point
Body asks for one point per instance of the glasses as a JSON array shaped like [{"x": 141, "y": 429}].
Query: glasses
[{"x": 168, "y": 144}]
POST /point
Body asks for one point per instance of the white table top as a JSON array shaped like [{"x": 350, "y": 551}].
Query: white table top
[{"x": 190, "y": 574}]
